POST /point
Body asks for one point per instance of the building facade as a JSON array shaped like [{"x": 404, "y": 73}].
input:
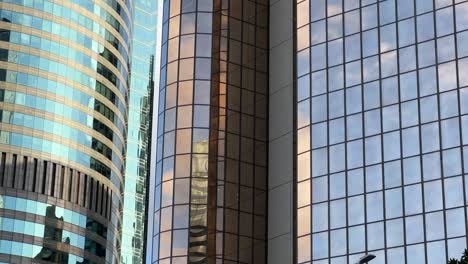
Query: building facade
[
  {"x": 209, "y": 181},
  {"x": 64, "y": 81},
  {"x": 365, "y": 132},
  {"x": 381, "y": 127},
  {"x": 139, "y": 132}
]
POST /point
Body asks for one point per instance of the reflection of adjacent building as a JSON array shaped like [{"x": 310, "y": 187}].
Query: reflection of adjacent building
[
  {"x": 140, "y": 105},
  {"x": 200, "y": 161},
  {"x": 63, "y": 108},
  {"x": 5, "y": 33},
  {"x": 199, "y": 195},
  {"x": 211, "y": 133},
  {"x": 4, "y": 36},
  {"x": 53, "y": 234}
]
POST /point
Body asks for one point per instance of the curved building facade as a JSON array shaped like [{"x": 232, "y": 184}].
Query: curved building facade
[
  {"x": 64, "y": 81},
  {"x": 210, "y": 172}
]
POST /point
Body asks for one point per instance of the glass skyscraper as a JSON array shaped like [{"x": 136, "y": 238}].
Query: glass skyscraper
[
  {"x": 64, "y": 88},
  {"x": 354, "y": 146},
  {"x": 139, "y": 132},
  {"x": 209, "y": 180},
  {"x": 381, "y": 128}
]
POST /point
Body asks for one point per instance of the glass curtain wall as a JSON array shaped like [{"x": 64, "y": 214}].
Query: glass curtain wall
[
  {"x": 181, "y": 177},
  {"x": 210, "y": 199},
  {"x": 139, "y": 132},
  {"x": 240, "y": 131},
  {"x": 63, "y": 95},
  {"x": 381, "y": 130}
]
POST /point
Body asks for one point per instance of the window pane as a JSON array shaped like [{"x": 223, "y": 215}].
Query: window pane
[
  {"x": 338, "y": 213},
  {"x": 357, "y": 235},
  {"x": 433, "y": 195},
  {"x": 319, "y": 217},
  {"x": 356, "y": 210},
  {"x": 455, "y": 222},
  {"x": 374, "y": 206},
  {"x": 320, "y": 245},
  {"x": 393, "y": 203},
  {"x": 394, "y": 232},
  {"x": 436, "y": 252},
  {"x": 338, "y": 242},
  {"x": 414, "y": 229},
  {"x": 413, "y": 199}
]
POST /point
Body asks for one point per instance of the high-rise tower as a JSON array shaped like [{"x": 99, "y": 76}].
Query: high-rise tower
[
  {"x": 64, "y": 81},
  {"x": 381, "y": 129},
  {"x": 211, "y": 164},
  {"x": 135, "y": 194},
  {"x": 357, "y": 141}
]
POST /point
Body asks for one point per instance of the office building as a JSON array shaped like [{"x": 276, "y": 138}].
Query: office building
[
  {"x": 381, "y": 125},
  {"x": 64, "y": 89},
  {"x": 329, "y": 129},
  {"x": 209, "y": 181},
  {"x": 139, "y": 132}
]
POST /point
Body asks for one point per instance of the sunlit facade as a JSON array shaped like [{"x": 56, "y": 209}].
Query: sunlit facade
[
  {"x": 209, "y": 180},
  {"x": 64, "y": 81},
  {"x": 381, "y": 127}
]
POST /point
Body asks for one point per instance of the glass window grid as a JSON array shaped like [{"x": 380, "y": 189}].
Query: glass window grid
[
  {"x": 61, "y": 89},
  {"x": 163, "y": 252},
  {"x": 63, "y": 31},
  {"x": 37, "y": 82},
  {"x": 49, "y": 65},
  {"x": 38, "y": 4},
  {"x": 82, "y": 20},
  {"x": 59, "y": 150},
  {"x": 50, "y": 106},
  {"x": 46, "y": 105},
  {"x": 40, "y": 41},
  {"x": 133, "y": 240},
  {"x": 68, "y": 69},
  {"x": 161, "y": 104},
  {"x": 62, "y": 130},
  {"x": 440, "y": 140},
  {"x": 67, "y": 52},
  {"x": 69, "y": 216},
  {"x": 37, "y": 229},
  {"x": 27, "y": 250},
  {"x": 231, "y": 233},
  {"x": 118, "y": 7}
]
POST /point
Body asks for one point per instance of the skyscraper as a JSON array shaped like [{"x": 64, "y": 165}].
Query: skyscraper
[
  {"x": 359, "y": 128},
  {"x": 139, "y": 132},
  {"x": 210, "y": 172},
  {"x": 380, "y": 126},
  {"x": 64, "y": 87}
]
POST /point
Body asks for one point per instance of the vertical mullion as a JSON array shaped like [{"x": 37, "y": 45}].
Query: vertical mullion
[
  {"x": 295, "y": 258},
  {"x": 364, "y": 164},
  {"x": 418, "y": 95},
  {"x": 400, "y": 130},
  {"x": 459, "y": 118},
  {"x": 226, "y": 37},
  {"x": 381, "y": 131},
  {"x": 176, "y": 127},
  {"x": 252, "y": 250},
  {"x": 239, "y": 189},
  {"x": 192, "y": 126},
  {"x": 163, "y": 112},
  {"x": 328, "y": 127},
  {"x": 345, "y": 120},
  {"x": 440, "y": 125},
  {"x": 213, "y": 141}
]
